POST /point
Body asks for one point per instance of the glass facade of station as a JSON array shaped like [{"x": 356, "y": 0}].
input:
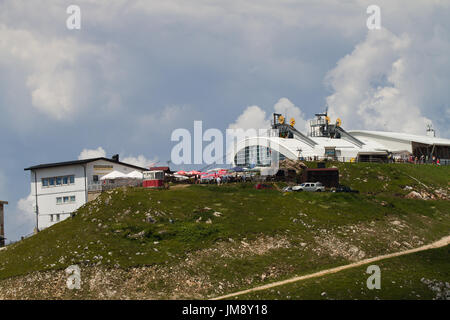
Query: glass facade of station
[{"x": 259, "y": 156}]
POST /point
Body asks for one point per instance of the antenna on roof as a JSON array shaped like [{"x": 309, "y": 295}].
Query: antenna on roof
[{"x": 430, "y": 131}]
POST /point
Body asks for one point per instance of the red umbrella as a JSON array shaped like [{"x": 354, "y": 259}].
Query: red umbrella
[{"x": 183, "y": 173}]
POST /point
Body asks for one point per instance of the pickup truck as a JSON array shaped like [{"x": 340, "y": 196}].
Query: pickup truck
[{"x": 309, "y": 186}]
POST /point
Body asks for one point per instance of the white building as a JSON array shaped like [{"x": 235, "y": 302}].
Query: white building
[
  {"x": 58, "y": 189},
  {"x": 403, "y": 143},
  {"x": 259, "y": 150},
  {"x": 331, "y": 141}
]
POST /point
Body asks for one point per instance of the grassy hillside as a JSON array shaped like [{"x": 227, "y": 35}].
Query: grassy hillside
[
  {"x": 422, "y": 275},
  {"x": 205, "y": 241},
  {"x": 391, "y": 179}
]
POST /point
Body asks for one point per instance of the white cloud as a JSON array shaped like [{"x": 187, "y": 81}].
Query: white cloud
[
  {"x": 25, "y": 212},
  {"x": 254, "y": 117},
  {"x": 386, "y": 83},
  {"x": 92, "y": 153},
  {"x": 61, "y": 75},
  {"x": 139, "y": 160},
  {"x": 54, "y": 69},
  {"x": 289, "y": 110}
]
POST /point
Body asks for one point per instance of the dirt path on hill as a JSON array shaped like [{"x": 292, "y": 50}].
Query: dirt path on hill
[{"x": 438, "y": 244}]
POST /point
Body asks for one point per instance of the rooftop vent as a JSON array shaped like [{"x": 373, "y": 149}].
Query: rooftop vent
[{"x": 115, "y": 158}]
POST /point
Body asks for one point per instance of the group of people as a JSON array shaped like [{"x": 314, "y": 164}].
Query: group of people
[
  {"x": 417, "y": 160},
  {"x": 222, "y": 179},
  {"x": 424, "y": 159}
]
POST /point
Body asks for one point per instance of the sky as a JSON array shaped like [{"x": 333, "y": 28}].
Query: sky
[{"x": 139, "y": 69}]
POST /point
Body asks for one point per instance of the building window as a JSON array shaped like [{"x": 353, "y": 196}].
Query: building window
[
  {"x": 66, "y": 199},
  {"x": 256, "y": 155},
  {"x": 95, "y": 178},
  {"x": 57, "y": 217},
  {"x": 58, "y": 181},
  {"x": 51, "y": 218}
]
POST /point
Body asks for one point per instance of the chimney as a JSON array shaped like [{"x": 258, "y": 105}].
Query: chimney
[{"x": 115, "y": 158}]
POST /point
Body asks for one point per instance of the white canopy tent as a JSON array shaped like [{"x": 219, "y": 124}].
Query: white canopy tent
[
  {"x": 135, "y": 175},
  {"x": 113, "y": 175},
  {"x": 180, "y": 177}
]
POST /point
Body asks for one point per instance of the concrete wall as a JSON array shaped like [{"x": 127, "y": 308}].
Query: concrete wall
[{"x": 2, "y": 224}]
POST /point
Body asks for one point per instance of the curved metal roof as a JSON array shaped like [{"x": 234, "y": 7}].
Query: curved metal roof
[{"x": 406, "y": 137}]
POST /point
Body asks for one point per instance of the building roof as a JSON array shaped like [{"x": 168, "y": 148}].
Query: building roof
[
  {"x": 344, "y": 143},
  {"x": 84, "y": 161},
  {"x": 293, "y": 145},
  {"x": 167, "y": 169},
  {"x": 3, "y": 202},
  {"x": 404, "y": 137}
]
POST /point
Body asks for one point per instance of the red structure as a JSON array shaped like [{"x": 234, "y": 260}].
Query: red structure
[
  {"x": 153, "y": 179},
  {"x": 153, "y": 183}
]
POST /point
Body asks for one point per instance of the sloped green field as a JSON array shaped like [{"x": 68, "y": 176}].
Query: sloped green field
[
  {"x": 421, "y": 275},
  {"x": 204, "y": 241}
]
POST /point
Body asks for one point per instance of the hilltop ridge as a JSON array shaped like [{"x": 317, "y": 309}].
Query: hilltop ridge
[{"x": 204, "y": 241}]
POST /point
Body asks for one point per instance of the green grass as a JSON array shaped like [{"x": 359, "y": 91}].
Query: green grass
[
  {"x": 390, "y": 179},
  {"x": 112, "y": 232},
  {"x": 422, "y": 275}
]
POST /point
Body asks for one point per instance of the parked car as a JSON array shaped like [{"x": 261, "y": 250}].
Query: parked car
[
  {"x": 287, "y": 189},
  {"x": 309, "y": 186},
  {"x": 342, "y": 188}
]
